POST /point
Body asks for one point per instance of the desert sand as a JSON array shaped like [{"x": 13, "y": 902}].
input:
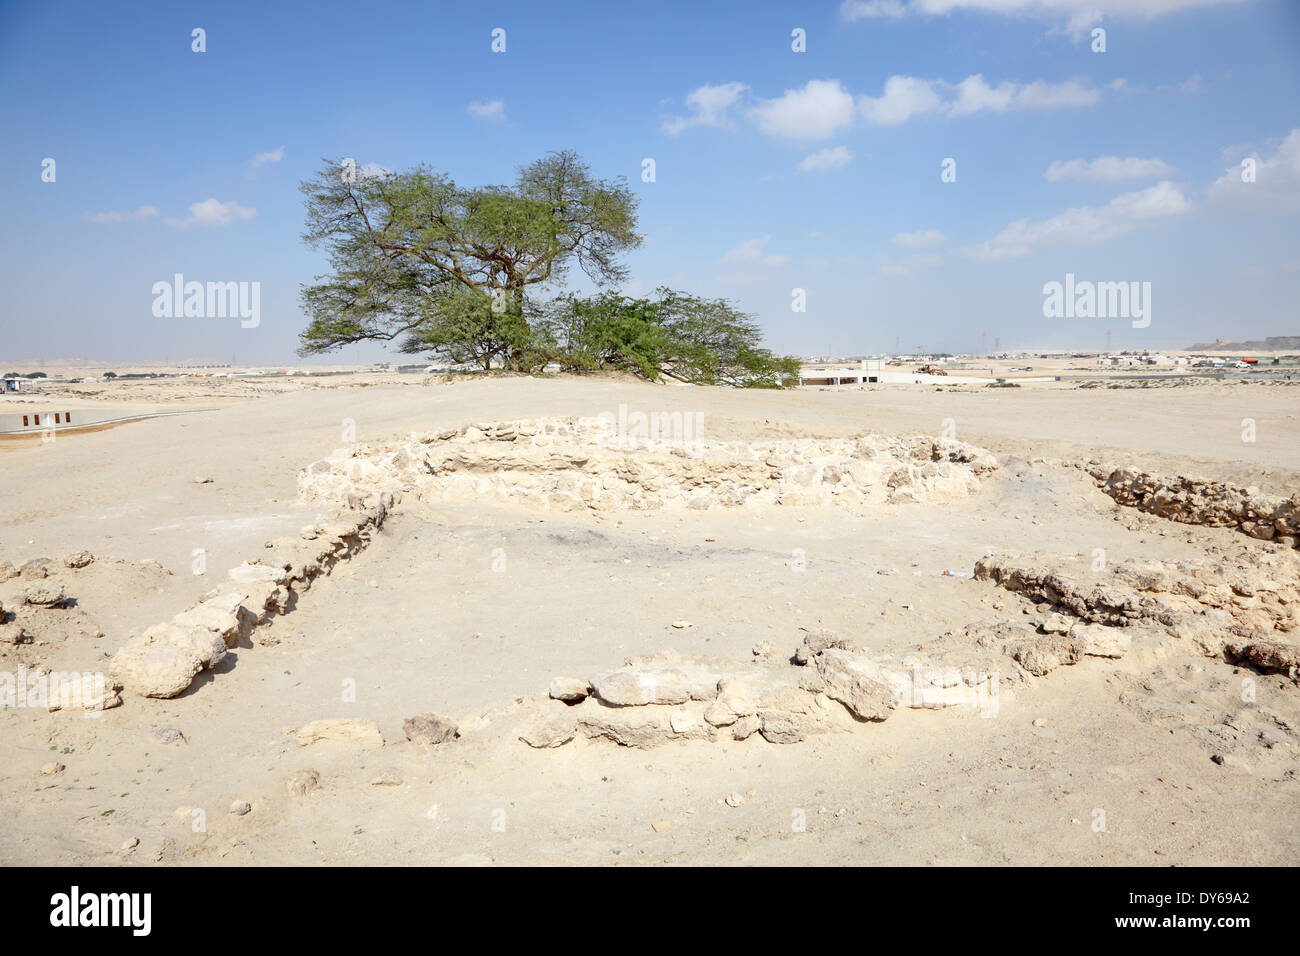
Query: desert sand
[{"x": 1102, "y": 659}]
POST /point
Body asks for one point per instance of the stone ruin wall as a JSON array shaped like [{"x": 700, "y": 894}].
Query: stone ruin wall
[
  {"x": 577, "y": 464},
  {"x": 1201, "y": 501}
]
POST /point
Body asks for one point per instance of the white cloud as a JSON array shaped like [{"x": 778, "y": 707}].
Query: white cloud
[
  {"x": 871, "y": 9},
  {"x": 1107, "y": 169},
  {"x": 708, "y": 106},
  {"x": 752, "y": 252},
  {"x": 1085, "y": 225},
  {"x": 822, "y": 160},
  {"x": 1079, "y": 14},
  {"x": 907, "y": 96},
  {"x": 814, "y": 112},
  {"x": 1277, "y": 179},
  {"x": 491, "y": 109},
  {"x": 903, "y": 98},
  {"x": 261, "y": 159},
  {"x": 821, "y": 107},
  {"x": 144, "y": 212},
  {"x": 920, "y": 239},
  {"x": 974, "y": 95},
  {"x": 211, "y": 212}
]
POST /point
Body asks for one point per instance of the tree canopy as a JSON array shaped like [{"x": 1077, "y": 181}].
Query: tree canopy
[
  {"x": 401, "y": 244},
  {"x": 674, "y": 335},
  {"x": 454, "y": 272}
]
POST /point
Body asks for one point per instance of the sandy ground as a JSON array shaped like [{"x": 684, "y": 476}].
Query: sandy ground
[{"x": 463, "y": 609}]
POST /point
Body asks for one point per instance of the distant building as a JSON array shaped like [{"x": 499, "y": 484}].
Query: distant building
[
  {"x": 867, "y": 370},
  {"x": 16, "y": 385}
]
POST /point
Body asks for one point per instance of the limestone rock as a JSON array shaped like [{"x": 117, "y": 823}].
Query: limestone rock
[
  {"x": 205, "y": 645},
  {"x": 569, "y": 689},
  {"x": 35, "y": 569},
  {"x": 303, "y": 782},
  {"x": 154, "y": 670},
  {"x": 82, "y": 692},
  {"x": 430, "y": 729},
  {"x": 552, "y": 727},
  {"x": 860, "y": 685},
  {"x": 1267, "y": 656},
  {"x": 256, "y": 573},
  {"x": 12, "y": 633},
  {"x": 656, "y": 684},
  {"x": 345, "y": 730},
  {"x": 1096, "y": 640},
  {"x": 45, "y": 593}
]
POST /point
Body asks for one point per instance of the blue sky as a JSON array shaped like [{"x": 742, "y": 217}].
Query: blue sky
[{"x": 775, "y": 170}]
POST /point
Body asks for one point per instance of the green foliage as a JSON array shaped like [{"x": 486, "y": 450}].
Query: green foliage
[
  {"x": 675, "y": 334},
  {"x": 446, "y": 270},
  {"x": 464, "y": 327},
  {"x": 402, "y": 245}
]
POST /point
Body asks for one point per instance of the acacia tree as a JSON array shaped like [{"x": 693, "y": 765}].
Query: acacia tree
[
  {"x": 462, "y": 327},
  {"x": 404, "y": 245},
  {"x": 674, "y": 335}
]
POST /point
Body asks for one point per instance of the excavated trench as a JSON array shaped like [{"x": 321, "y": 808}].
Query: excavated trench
[{"x": 1238, "y": 605}]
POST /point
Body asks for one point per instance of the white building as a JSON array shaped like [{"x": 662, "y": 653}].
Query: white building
[{"x": 867, "y": 370}]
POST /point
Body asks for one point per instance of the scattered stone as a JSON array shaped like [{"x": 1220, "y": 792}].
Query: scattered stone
[
  {"x": 1039, "y": 722},
  {"x": 201, "y": 480},
  {"x": 746, "y": 727},
  {"x": 1096, "y": 640},
  {"x": 387, "y": 778},
  {"x": 155, "y": 670},
  {"x": 682, "y": 624},
  {"x": 430, "y": 729},
  {"x": 569, "y": 689},
  {"x": 818, "y": 640},
  {"x": 84, "y": 692},
  {"x": 79, "y": 560},
  {"x": 735, "y": 800},
  {"x": 130, "y": 845},
  {"x": 53, "y": 768},
  {"x": 167, "y": 735},
  {"x": 45, "y": 594},
  {"x": 661, "y": 826},
  {"x": 35, "y": 569},
  {"x": 303, "y": 782},
  {"x": 656, "y": 684},
  {"x": 860, "y": 685},
  {"x": 682, "y": 722},
  {"x": 552, "y": 728},
  {"x": 12, "y": 633},
  {"x": 240, "y": 807},
  {"x": 344, "y": 730},
  {"x": 1271, "y": 657},
  {"x": 256, "y": 573},
  {"x": 1057, "y": 624}
]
